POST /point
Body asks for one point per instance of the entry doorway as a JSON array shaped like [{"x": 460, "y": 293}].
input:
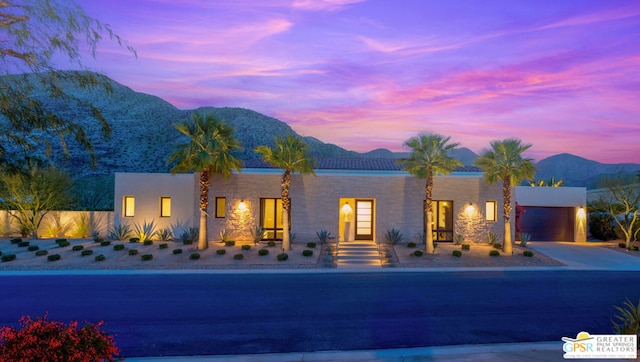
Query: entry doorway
[
  {"x": 364, "y": 219},
  {"x": 357, "y": 219}
]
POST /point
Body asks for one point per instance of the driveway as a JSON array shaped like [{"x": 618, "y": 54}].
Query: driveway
[{"x": 589, "y": 256}]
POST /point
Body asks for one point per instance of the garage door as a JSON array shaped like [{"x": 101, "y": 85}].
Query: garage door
[{"x": 548, "y": 223}]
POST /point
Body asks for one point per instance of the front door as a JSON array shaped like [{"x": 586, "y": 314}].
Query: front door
[{"x": 364, "y": 220}]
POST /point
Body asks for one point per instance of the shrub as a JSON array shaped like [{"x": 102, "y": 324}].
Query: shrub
[
  {"x": 165, "y": 234},
  {"x": 221, "y": 251},
  {"x": 100, "y": 257},
  {"x": 194, "y": 256},
  {"x": 229, "y": 243},
  {"x": 23, "y": 244},
  {"x": 42, "y": 252},
  {"x": 54, "y": 257},
  {"x": 411, "y": 244},
  {"x": 98, "y": 240},
  {"x": 456, "y": 253},
  {"x": 147, "y": 257},
  {"x": 105, "y": 243},
  {"x": 497, "y": 246},
  {"x": 307, "y": 252},
  {"x": 246, "y": 247},
  {"x": 311, "y": 245},
  {"x": 120, "y": 232},
  {"x": 33, "y": 248},
  {"x": 15, "y": 240},
  {"x": 282, "y": 257},
  {"x": 494, "y": 253},
  {"x": 187, "y": 241},
  {"x": 622, "y": 245},
  {"x": 628, "y": 319},
  {"x": 77, "y": 247},
  {"x": 43, "y": 340},
  {"x": 492, "y": 238},
  {"x": 238, "y": 257},
  {"x": 458, "y": 239},
  {"x": 466, "y": 247},
  {"x": 601, "y": 226},
  {"x": 86, "y": 252},
  {"x": 133, "y": 252},
  {"x": 323, "y": 236},
  {"x": 145, "y": 231},
  {"x": 177, "y": 251},
  {"x": 418, "y": 253},
  {"x": 118, "y": 247},
  {"x": 163, "y": 246},
  {"x": 394, "y": 236},
  {"x": 63, "y": 244},
  {"x": 225, "y": 235},
  {"x": 257, "y": 234},
  {"x": 271, "y": 243},
  {"x": 263, "y": 252},
  {"x": 524, "y": 239},
  {"x": 7, "y": 257},
  {"x": 134, "y": 240},
  {"x": 528, "y": 253},
  {"x": 190, "y": 234},
  {"x": 58, "y": 241},
  {"x": 147, "y": 242}
]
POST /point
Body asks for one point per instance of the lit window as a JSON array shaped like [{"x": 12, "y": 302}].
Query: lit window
[
  {"x": 491, "y": 211},
  {"x": 128, "y": 206},
  {"x": 221, "y": 207},
  {"x": 165, "y": 207}
]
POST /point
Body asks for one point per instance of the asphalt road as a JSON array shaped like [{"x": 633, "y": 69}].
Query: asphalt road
[{"x": 195, "y": 314}]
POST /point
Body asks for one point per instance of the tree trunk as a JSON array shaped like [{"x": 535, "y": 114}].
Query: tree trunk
[
  {"x": 286, "y": 206},
  {"x": 204, "y": 204},
  {"x": 429, "y": 237},
  {"x": 428, "y": 209},
  {"x": 507, "y": 248}
]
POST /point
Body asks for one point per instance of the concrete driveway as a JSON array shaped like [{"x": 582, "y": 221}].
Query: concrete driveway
[{"x": 588, "y": 256}]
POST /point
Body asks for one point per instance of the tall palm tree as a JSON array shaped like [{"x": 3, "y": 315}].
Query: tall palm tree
[
  {"x": 429, "y": 156},
  {"x": 505, "y": 162},
  {"x": 291, "y": 154},
  {"x": 208, "y": 151}
]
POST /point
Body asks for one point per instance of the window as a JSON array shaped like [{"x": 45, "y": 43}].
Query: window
[
  {"x": 491, "y": 211},
  {"x": 271, "y": 218},
  {"x": 221, "y": 207},
  {"x": 442, "y": 220},
  {"x": 128, "y": 206},
  {"x": 165, "y": 206}
]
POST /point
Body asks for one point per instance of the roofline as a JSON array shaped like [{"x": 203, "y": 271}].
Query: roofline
[{"x": 330, "y": 172}]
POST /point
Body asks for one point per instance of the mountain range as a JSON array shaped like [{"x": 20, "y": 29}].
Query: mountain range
[{"x": 143, "y": 133}]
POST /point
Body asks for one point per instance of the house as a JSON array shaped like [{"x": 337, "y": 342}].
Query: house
[{"x": 354, "y": 199}]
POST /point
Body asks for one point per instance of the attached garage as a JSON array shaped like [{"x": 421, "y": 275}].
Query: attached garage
[{"x": 548, "y": 223}]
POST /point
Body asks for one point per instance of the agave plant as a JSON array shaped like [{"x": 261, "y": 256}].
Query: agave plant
[
  {"x": 394, "y": 236},
  {"x": 492, "y": 238},
  {"x": 323, "y": 236},
  {"x": 145, "y": 231},
  {"x": 165, "y": 234},
  {"x": 628, "y": 319},
  {"x": 257, "y": 234},
  {"x": 225, "y": 235},
  {"x": 524, "y": 238},
  {"x": 190, "y": 234},
  {"x": 458, "y": 239},
  {"x": 120, "y": 232}
]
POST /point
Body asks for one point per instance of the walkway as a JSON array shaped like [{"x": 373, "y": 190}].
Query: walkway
[{"x": 590, "y": 255}]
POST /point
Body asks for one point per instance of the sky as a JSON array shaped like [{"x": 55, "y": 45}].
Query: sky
[{"x": 563, "y": 76}]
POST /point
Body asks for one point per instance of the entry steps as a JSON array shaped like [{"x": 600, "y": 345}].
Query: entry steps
[{"x": 361, "y": 253}]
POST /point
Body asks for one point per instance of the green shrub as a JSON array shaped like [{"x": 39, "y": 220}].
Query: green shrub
[
  {"x": 100, "y": 257},
  {"x": 411, "y": 244},
  {"x": 134, "y": 240},
  {"x": 221, "y": 251},
  {"x": 282, "y": 257},
  {"x": 177, "y": 251},
  {"x": 622, "y": 245},
  {"x": 187, "y": 241},
  {"x": 120, "y": 232},
  {"x": 323, "y": 236},
  {"x": 33, "y": 248},
  {"x": 194, "y": 256},
  {"x": 118, "y": 247},
  {"x": 8, "y": 257},
  {"x": 394, "y": 236},
  {"x": 528, "y": 253},
  {"x": 86, "y": 252},
  {"x": 98, "y": 240},
  {"x": 307, "y": 252},
  {"x": 58, "y": 241},
  {"x": 246, "y": 247},
  {"x": 230, "y": 243},
  {"x": 147, "y": 257},
  {"x": 602, "y": 226},
  {"x": 147, "y": 242},
  {"x": 77, "y": 247},
  {"x": 238, "y": 257},
  {"x": 271, "y": 243},
  {"x": 15, "y": 240},
  {"x": 497, "y": 246},
  {"x": 164, "y": 246},
  {"x": 23, "y": 244},
  {"x": 133, "y": 252},
  {"x": 418, "y": 253},
  {"x": 63, "y": 244},
  {"x": 627, "y": 321},
  {"x": 165, "y": 234},
  {"x": 54, "y": 257},
  {"x": 466, "y": 247},
  {"x": 311, "y": 245},
  {"x": 263, "y": 252},
  {"x": 42, "y": 252},
  {"x": 456, "y": 253},
  {"x": 494, "y": 253}
]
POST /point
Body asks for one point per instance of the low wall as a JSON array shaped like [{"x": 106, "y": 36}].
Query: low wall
[{"x": 70, "y": 224}]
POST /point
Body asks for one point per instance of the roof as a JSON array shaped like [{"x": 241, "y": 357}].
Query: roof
[{"x": 366, "y": 164}]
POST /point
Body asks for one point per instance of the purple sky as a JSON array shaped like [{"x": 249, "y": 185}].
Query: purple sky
[{"x": 561, "y": 75}]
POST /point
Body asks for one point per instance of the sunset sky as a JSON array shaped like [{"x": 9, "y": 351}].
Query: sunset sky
[{"x": 561, "y": 75}]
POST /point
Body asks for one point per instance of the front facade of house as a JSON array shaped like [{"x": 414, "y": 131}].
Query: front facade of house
[{"x": 358, "y": 199}]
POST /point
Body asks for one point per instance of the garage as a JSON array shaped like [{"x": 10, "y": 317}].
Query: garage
[{"x": 548, "y": 223}]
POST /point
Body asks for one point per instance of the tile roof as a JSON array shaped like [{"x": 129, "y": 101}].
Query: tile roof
[{"x": 367, "y": 164}]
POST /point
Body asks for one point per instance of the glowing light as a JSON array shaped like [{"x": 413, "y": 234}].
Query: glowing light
[
  {"x": 242, "y": 206},
  {"x": 581, "y": 213},
  {"x": 346, "y": 208},
  {"x": 470, "y": 209}
]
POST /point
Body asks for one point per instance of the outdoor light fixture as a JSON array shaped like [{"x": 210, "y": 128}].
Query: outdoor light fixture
[
  {"x": 470, "y": 209},
  {"x": 581, "y": 212},
  {"x": 242, "y": 206}
]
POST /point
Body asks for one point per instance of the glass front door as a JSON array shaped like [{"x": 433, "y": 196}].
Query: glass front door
[{"x": 364, "y": 220}]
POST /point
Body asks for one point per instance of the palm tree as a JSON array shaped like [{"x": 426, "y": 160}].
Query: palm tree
[
  {"x": 504, "y": 162},
  {"x": 429, "y": 156},
  {"x": 209, "y": 151},
  {"x": 291, "y": 154}
]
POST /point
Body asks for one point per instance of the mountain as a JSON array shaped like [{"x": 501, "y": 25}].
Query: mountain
[{"x": 578, "y": 171}]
